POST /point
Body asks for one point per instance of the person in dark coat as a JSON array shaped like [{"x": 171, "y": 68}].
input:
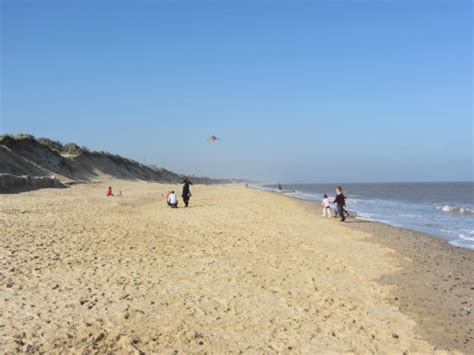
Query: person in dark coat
[
  {"x": 186, "y": 191},
  {"x": 340, "y": 202}
]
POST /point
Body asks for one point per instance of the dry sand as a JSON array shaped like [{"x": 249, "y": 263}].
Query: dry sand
[{"x": 239, "y": 271}]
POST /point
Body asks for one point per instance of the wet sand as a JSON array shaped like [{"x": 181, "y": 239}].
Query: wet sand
[
  {"x": 239, "y": 271},
  {"x": 435, "y": 286}
]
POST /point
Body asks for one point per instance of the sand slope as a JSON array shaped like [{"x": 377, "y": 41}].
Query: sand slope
[
  {"x": 25, "y": 155},
  {"x": 241, "y": 270}
]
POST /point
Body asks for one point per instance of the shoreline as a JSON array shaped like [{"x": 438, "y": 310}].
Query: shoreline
[
  {"x": 431, "y": 235},
  {"x": 432, "y": 269},
  {"x": 239, "y": 270}
]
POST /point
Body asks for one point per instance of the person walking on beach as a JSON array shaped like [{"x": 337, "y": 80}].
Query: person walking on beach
[
  {"x": 326, "y": 206},
  {"x": 109, "y": 191},
  {"x": 172, "y": 200},
  {"x": 186, "y": 195},
  {"x": 344, "y": 209},
  {"x": 340, "y": 202}
]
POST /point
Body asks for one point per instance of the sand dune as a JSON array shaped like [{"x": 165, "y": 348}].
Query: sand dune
[
  {"x": 239, "y": 271},
  {"x": 30, "y": 160}
]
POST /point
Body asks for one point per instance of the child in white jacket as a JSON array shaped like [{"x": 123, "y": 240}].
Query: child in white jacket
[{"x": 325, "y": 204}]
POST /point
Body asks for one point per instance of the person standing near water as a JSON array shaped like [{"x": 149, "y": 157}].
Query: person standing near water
[
  {"x": 340, "y": 202},
  {"x": 186, "y": 191}
]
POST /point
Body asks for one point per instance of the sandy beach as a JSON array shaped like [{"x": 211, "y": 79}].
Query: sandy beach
[{"x": 240, "y": 270}]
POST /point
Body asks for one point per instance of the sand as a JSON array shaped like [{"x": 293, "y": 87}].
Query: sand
[
  {"x": 435, "y": 285},
  {"x": 239, "y": 271}
]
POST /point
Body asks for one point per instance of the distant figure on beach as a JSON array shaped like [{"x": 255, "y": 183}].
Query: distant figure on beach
[
  {"x": 279, "y": 187},
  {"x": 109, "y": 191},
  {"x": 186, "y": 195},
  {"x": 172, "y": 200},
  {"x": 340, "y": 202},
  {"x": 119, "y": 194},
  {"x": 325, "y": 204}
]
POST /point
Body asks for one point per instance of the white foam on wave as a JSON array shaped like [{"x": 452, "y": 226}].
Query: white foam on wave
[
  {"x": 456, "y": 209},
  {"x": 467, "y": 237},
  {"x": 462, "y": 243},
  {"x": 447, "y": 231}
]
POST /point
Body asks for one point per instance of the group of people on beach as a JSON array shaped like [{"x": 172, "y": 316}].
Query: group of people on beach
[
  {"x": 172, "y": 199},
  {"x": 339, "y": 201}
]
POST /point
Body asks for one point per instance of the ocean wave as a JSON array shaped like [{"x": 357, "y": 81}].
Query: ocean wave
[
  {"x": 456, "y": 209},
  {"x": 372, "y": 218},
  {"x": 447, "y": 231},
  {"x": 304, "y": 196},
  {"x": 462, "y": 243},
  {"x": 470, "y": 236}
]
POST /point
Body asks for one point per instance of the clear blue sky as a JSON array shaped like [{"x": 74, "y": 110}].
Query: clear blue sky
[{"x": 299, "y": 91}]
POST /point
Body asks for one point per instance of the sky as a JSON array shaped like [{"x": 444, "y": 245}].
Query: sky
[{"x": 301, "y": 91}]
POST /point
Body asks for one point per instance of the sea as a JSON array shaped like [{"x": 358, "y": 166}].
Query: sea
[{"x": 441, "y": 209}]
